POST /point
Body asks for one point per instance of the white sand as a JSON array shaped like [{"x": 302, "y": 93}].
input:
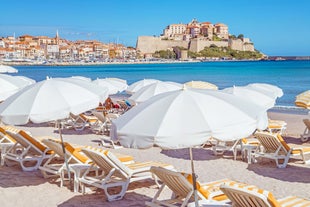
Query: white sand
[{"x": 18, "y": 188}]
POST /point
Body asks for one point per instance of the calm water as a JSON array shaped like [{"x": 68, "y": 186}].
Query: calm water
[{"x": 292, "y": 76}]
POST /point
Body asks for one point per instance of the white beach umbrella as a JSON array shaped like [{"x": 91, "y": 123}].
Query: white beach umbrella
[
  {"x": 81, "y": 78},
  {"x": 201, "y": 85},
  {"x": 121, "y": 83},
  {"x": 186, "y": 118},
  {"x": 9, "y": 85},
  {"x": 268, "y": 89},
  {"x": 114, "y": 85},
  {"x": 139, "y": 84},
  {"x": 7, "y": 69},
  {"x": 118, "y": 79},
  {"x": 25, "y": 80},
  {"x": 51, "y": 99},
  {"x": 153, "y": 89},
  {"x": 253, "y": 95}
]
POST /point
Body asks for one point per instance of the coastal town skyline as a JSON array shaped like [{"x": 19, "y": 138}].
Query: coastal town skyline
[{"x": 123, "y": 22}]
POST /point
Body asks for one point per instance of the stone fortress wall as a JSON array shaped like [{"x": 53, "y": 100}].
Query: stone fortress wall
[
  {"x": 150, "y": 44},
  {"x": 194, "y": 36}
]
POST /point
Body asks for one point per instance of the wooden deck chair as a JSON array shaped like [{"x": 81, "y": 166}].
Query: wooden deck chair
[
  {"x": 115, "y": 173},
  {"x": 182, "y": 188},
  {"x": 78, "y": 162},
  {"x": 30, "y": 150},
  {"x": 275, "y": 147},
  {"x": 244, "y": 196},
  {"x": 306, "y": 135}
]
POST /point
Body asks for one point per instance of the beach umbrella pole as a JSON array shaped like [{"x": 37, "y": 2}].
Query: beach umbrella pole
[
  {"x": 64, "y": 151},
  {"x": 193, "y": 177}
]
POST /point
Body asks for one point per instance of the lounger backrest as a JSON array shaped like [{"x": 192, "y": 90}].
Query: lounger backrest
[
  {"x": 76, "y": 153},
  {"x": 5, "y": 137},
  {"x": 206, "y": 190},
  {"x": 99, "y": 157},
  {"x": 90, "y": 119},
  {"x": 174, "y": 180},
  {"x": 118, "y": 163},
  {"x": 25, "y": 140},
  {"x": 78, "y": 118},
  {"x": 242, "y": 196},
  {"x": 99, "y": 116},
  {"x": 70, "y": 150},
  {"x": 55, "y": 146},
  {"x": 10, "y": 128},
  {"x": 272, "y": 143}
]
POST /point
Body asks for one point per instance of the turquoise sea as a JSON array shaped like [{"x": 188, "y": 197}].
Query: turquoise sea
[{"x": 292, "y": 76}]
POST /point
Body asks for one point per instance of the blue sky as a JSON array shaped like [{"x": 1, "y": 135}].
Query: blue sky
[{"x": 277, "y": 27}]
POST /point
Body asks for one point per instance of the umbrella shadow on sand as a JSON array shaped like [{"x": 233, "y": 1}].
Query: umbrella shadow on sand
[
  {"x": 134, "y": 196},
  {"x": 294, "y": 172},
  {"x": 74, "y": 132},
  {"x": 199, "y": 154},
  {"x": 13, "y": 176},
  {"x": 295, "y": 140},
  {"x": 44, "y": 124}
]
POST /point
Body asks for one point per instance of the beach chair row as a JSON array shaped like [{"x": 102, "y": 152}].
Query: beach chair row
[
  {"x": 217, "y": 193},
  {"x": 101, "y": 168},
  {"x": 98, "y": 121},
  {"x": 96, "y": 167}
]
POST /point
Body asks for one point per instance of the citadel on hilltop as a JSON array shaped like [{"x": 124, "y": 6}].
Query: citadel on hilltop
[
  {"x": 193, "y": 41},
  {"x": 194, "y": 36}
]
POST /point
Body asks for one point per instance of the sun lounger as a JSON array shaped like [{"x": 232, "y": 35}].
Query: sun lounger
[
  {"x": 5, "y": 137},
  {"x": 115, "y": 173},
  {"x": 306, "y": 135},
  {"x": 29, "y": 150},
  {"x": 73, "y": 156},
  {"x": 276, "y": 126},
  {"x": 77, "y": 161},
  {"x": 79, "y": 122},
  {"x": 245, "y": 196},
  {"x": 107, "y": 142},
  {"x": 6, "y": 142},
  {"x": 275, "y": 147},
  {"x": 220, "y": 147},
  {"x": 101, "y": 125},
  {"x": 181, "y": 186}
]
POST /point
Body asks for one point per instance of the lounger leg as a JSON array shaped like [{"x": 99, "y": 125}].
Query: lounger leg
[
  {"x": 31, "y": 168},
  {"x": 118, "y": 196},
  {"x": 2, "y": 159},
  {"x": 283, "y": 165},
  {"x": 304, "y": 138}
]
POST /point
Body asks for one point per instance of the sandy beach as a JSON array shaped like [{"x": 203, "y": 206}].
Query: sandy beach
[{"x": 18, "y": 188}]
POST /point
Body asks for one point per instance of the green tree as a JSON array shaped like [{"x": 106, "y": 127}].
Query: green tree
[
  {"x": 232, "y": 37},
  {"x": 240, "y": 36},
  {"x": 165, "y": 54}
]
